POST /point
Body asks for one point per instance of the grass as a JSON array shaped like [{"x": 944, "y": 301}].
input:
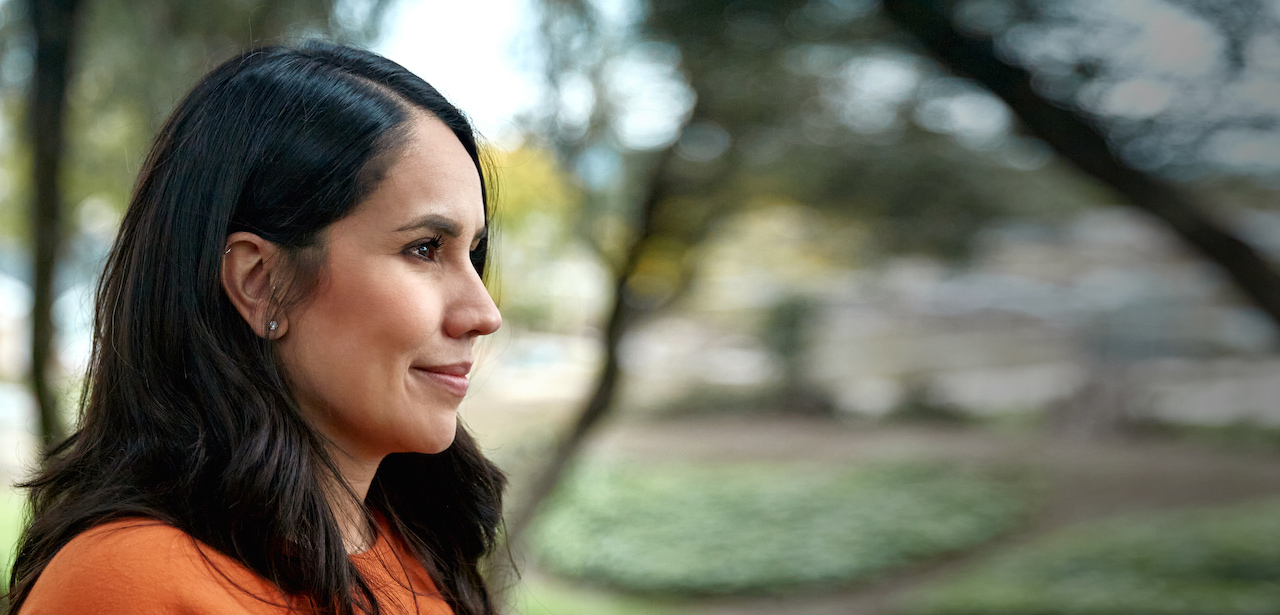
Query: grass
[
  {"x": 1222, "y": 561},
  {"x": 686, "y": 529}
]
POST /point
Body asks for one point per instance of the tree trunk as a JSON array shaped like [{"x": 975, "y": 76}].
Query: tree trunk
[
  {"x": 601, "y": 400},
  {"x": 54, "y": 23},
  {"x": 1076, "y": 139}
]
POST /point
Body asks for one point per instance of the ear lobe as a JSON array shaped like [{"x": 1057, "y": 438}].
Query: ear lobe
[{"x": 247, "y": 264}]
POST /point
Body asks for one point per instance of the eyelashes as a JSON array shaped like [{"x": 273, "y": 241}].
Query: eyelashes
[
  {"x": 429, "y": 250},
  {"x": 480, "y": 254}
]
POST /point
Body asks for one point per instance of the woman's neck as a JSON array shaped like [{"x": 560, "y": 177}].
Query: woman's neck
[{"x": 358, "y": 474}]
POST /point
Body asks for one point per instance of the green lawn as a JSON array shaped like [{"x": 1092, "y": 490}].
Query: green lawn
[
  {"x": 681, "y": 528},
  {"x": 1222, "y": 561}
]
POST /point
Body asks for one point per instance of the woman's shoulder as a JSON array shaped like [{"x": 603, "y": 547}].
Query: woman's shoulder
[
  {"x": 140, "y": 565},
  {"x": 130, "y": 544}
]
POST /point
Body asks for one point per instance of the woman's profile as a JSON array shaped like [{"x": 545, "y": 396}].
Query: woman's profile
[{"x": 282, "y": 337}]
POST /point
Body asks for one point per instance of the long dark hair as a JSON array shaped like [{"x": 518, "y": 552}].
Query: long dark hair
[{"x": 186, "y": 417}]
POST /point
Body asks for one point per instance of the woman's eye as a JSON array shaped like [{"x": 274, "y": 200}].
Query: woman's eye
[{"x": 426, "y": 250}]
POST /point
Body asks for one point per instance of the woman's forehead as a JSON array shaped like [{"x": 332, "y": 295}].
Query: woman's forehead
[{"x": 432, "y": 176}]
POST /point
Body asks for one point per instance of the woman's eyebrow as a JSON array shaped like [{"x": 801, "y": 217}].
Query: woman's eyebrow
[
  {"x": 435, "y": 222},
  {"x": 441, "y": 224}
]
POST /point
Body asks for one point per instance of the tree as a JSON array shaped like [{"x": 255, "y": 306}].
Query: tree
[
  {"x": 775, "y": 84},
  {"x": 1078, "y": 140},
  {"x": 55, "y": 24}
]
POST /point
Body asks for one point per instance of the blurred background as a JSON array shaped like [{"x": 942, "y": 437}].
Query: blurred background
[{"x": 811, "y": 306}]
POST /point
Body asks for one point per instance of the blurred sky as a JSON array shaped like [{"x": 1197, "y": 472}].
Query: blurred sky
[
  {"x": 478, "y": 53},
  {"x": 484, "y": 57}
]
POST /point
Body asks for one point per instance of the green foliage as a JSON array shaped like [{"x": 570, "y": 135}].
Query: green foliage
[
  {"x": 116, "y": 108},
  {"x": 541, "y": 598},
  {"x": 11, "y": 518},
  {"x": 1224, "y": 561},
  {"x": 531, "y": 184},
  {"x": 1235, "y": 436},
  {"x": 704, "y": 529},
  {"x": 535, "y": 205},
  {"x": 780, "y": 80}
]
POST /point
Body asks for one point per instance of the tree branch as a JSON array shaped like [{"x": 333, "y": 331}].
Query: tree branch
[{"x": 1080, "y": 142}]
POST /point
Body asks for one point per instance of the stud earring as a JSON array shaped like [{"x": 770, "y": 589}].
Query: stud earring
[
  {"x": 228, "y": 251},
  {"x": 273, "y": 325}
]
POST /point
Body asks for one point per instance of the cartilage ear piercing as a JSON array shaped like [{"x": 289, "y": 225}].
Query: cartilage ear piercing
[
  {"x": 273, "y": 325},
  {"x": 228, "y": 251}
]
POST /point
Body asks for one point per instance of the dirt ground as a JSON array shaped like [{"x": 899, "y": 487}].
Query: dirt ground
[{"x": 1081, "y": 481}]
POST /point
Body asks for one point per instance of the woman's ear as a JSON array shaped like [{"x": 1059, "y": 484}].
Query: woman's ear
[{"x": 247, "y": 263}]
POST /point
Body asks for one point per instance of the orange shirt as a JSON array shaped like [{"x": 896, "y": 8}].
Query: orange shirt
[{"x": 141, "y": 566}]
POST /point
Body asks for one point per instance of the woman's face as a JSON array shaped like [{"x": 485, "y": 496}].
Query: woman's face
[{"x": 378, "y": 357}]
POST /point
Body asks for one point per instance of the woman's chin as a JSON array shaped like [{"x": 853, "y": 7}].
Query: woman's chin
[{"x": 441, "y": 437}]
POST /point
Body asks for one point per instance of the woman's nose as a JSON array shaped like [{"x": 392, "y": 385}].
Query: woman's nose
[{"x": 474, "y": 313}]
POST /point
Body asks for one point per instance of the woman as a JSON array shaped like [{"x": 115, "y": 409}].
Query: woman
[{"x": 282, "y": 337}]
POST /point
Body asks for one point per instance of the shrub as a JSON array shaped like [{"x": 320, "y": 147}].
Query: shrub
[
  {"x": 710, "y": 529},
  {"x": 1223, "y": 561}
]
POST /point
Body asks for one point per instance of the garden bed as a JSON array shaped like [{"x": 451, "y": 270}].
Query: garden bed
[
  {"x": 1224, "y": 561},
  {"x": 695, "y": 529}
]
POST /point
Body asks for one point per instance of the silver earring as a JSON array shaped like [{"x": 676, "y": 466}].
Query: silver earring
[
  {"x": 272, "y": 326},
  {"x": 228, "y": 251}
]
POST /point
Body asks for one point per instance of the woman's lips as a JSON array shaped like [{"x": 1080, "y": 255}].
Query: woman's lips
[{"x": 453, "y": 378}]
